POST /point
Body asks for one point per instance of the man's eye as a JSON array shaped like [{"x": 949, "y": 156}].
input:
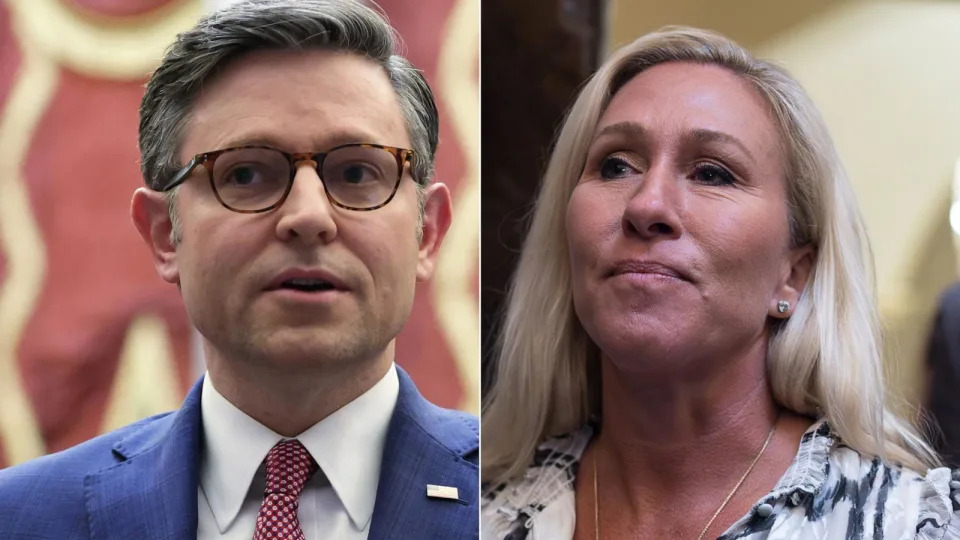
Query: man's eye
[
  {"x": 243, "y": 176},
  {"x": 356, "y": 174}
]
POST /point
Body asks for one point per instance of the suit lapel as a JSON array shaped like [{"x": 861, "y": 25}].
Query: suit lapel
[
  {"x": 413, "y": 457},
  {"x": 151, "y": 493}
]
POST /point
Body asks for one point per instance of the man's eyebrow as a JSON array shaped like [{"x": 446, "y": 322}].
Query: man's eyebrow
[
  {"x": 252, "y": 139},
  {"x": 332, "y": 138},
  {"x": 322, "y": 142}
]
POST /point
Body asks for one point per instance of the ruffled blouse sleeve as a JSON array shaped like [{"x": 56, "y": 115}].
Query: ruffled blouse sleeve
[{"x": 939, "y": 515}]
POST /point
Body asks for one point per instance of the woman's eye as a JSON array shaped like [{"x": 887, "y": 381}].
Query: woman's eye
[
  {"x": 613, "y": 167},
  {"x": 713, "y": 175}
]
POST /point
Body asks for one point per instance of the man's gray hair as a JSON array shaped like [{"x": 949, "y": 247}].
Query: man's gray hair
[{"x": 252, "y": 25}]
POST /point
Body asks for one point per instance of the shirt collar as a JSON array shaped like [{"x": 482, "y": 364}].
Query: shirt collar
[
  {"x": 347, "y": 445},
  {"x": 808, "y": 471}
]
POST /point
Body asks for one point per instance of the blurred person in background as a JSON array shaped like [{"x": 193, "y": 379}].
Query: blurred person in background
[
  {"x": 691, "y": 347},
  {"x": 943, "y": 362},
  {"x": 288, "y": 153}
]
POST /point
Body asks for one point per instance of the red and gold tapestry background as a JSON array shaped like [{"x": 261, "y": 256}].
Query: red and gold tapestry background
[{"x": 90, "y": 337}]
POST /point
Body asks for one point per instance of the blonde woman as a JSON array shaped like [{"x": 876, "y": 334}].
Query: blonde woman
[{"x": 691, "y": 347}]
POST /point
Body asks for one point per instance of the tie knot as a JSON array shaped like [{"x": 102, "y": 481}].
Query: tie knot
[{"x": 289, "y": 466}]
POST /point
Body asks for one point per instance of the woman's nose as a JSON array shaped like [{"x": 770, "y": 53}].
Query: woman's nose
[{"x": 652, "y": 207}]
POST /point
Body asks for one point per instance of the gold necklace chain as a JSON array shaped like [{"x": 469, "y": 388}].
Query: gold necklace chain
[{"x": 596, "y": 505}]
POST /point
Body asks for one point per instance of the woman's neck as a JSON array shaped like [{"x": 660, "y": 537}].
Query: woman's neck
[
  {"x": 674, "y": 443},
  {"x": 683, "y": 432}
]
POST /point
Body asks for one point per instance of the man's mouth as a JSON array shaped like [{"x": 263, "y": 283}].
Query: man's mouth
[
  {"x": 307, "y": 285},
  {"x": 308, "y": 280}
]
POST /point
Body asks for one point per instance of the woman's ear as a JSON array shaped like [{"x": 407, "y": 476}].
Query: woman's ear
[{"x": 798, "y": 266}]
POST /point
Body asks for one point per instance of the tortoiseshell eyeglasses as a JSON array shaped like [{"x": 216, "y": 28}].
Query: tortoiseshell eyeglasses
[{"x": 252, "y": 179}]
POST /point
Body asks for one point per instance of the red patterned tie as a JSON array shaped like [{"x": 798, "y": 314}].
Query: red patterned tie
[{"x": 289, "y": 466}]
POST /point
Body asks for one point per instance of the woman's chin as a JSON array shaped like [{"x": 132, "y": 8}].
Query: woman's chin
[
  {"x": 647, "y": 354},
  {"x": 644, "y": 333}
]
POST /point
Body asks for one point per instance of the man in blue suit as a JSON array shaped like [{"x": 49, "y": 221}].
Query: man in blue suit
[{"x": 288, "y": 154}]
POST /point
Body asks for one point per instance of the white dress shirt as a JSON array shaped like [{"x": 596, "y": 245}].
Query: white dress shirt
[{"x": 337, "y": 502}]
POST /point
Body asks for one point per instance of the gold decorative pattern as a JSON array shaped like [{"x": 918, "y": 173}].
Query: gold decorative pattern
[
  {"x": 49, "y": 36},
  {"x": 93, "y": 47},
  {"x": 457, "y": 306},
  {"x": 145, "y": 383},
  {"x": 23, "y": 248}
]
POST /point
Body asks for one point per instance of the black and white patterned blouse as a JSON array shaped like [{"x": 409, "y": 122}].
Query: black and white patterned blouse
[{"x": 829, "y": 492}]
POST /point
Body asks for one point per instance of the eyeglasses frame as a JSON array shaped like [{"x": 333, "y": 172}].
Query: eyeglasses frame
[{"x": 207, "y": 159}]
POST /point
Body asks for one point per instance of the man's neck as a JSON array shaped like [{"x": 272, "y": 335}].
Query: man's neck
[{"x": 289, "y": 401}]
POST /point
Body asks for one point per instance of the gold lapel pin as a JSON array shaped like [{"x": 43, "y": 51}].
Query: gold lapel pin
[{"x": 443, "y": 492}]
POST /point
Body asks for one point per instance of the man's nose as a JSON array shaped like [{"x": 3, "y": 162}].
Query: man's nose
[{"x": 307, "y": 213}]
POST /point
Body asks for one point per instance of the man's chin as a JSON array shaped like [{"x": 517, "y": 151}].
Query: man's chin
[{"x": 309, "y": 348}]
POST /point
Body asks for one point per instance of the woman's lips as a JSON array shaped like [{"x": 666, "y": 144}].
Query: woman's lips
[{"x": 650, "y": 268}]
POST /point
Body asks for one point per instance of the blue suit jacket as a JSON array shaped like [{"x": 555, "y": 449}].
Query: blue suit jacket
[{"x": 140, "y": 482}]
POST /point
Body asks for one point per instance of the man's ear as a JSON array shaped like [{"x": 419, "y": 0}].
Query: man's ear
[
  {"x": 152, "y": 219},
  {"x": 437, "y": 213},
  {"x": 800, "y": 261}
]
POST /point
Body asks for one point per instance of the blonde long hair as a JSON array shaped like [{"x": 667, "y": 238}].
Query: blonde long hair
[{"x": 824, "y": 362}]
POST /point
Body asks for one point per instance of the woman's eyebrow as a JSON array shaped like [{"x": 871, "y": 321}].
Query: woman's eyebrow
[
  {"x": 629, "y": 129},
  {"x": 705, "y": 136},
  {"x": 635, "y": 131}
]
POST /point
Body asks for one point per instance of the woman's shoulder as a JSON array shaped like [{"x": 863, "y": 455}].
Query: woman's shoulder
[
  {"x": 828, "y": 487},
  {"x": 940, "y": 505},
  {"x": 831, "y": 485},
  {"x": 547, "y": 484},
  {"x": 880, "y": 496}
]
